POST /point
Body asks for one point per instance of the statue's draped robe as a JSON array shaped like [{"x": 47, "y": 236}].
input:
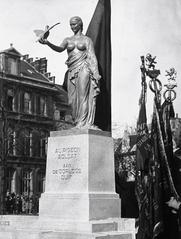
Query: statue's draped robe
[{"x": 82, "y": 85}]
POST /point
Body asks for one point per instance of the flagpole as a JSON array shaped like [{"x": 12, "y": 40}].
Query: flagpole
[{"x": 143, "y": 77}]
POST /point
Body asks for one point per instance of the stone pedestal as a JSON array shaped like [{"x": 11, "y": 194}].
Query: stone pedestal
[
  {"x": 79, "y": 200},
  {"x": 80, "y": 180}
]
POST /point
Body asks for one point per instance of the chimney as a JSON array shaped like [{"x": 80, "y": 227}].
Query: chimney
[
  {"x": 30, "y": 60},
  {"x": 25, "y": 57},
  {"x": 47, "y": 74},
  {"x": 43, "y": 65},
  {"x": 52, "y": 78},
  {"x": 36, "y": 64}
]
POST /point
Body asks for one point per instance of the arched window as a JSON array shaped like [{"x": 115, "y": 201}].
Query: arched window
[
  {"x": 27, "y": 103},
  {"x": 11, "y": 180},
  {"x": 43, "y": 106}
]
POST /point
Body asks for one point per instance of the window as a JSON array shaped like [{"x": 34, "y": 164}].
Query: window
[
  {"x": 31, "y": 144},
  {"x": 10, "y": 180},
  {"x": 56, "y": 115},
  {"x": 10, "y": 100},
  {"x": 19, "y": 143},
  {"x": 39, "y": 143},
  {"x": 43, "y": 106},
  {"x": 23, "y": 142},
  {"x": 27, "y": 140},
  {"x": 1, "y": 62},
  {"x": 43, "y": 144},
  {"x": 36, "y": 143},
  {"x": 12, "y": 66},
  {"x": 62, "y": 115},
  {"x": 37, "y": 104},
  {"x": 27, "y": 103},
  {"x": 41, "y": 181},
  {"x": 27, "y": 182},
  {"x": 11, "y": 137}
]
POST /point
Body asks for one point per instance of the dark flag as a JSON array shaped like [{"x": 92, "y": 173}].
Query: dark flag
[
  {"x": 143, "y": 154},
  {"x": 143, "y": 139},
  {"x": 164, "y": 223},
  {"x": 155, "y": 170},
  {"x": 167, "y": 114},
  {"x": 99, "y": 30},
  {"x": 170, "y": 220},
  {"x": 154, "y": 182}
]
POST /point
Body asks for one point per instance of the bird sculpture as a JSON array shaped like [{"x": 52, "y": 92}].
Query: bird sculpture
[{"x": 43, "y": 34}]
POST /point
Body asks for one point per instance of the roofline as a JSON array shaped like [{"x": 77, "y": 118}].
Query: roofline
[
  {"x": 37, "y": 72},
  {"x": 29, "y": 78},
  {"x": 30, "y": 84},
  {"x": 11, "y": 48},
  {"x": 61, "y": 88},
  {"x": 20, "y": 55}
]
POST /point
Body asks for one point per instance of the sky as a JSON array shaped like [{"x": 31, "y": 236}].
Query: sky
[{"x": 137, "y": 27}]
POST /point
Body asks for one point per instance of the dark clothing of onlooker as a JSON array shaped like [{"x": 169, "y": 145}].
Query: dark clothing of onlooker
[
  {"x": 129, "y": 205},
  {"x": 8, "y": 204},
  {"x": 13, "y": 203},
  {"x": 179, "y": 215},
  {"x": 126, "y": 191},
  {"x": 18, "y": 204}
]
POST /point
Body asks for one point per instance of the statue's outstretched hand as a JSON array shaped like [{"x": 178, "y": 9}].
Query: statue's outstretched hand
[{"x": 43, "y": 41}]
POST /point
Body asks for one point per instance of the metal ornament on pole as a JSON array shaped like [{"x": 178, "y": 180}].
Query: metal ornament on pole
[
  {"x": 170, "y": 94},
  {"x": 154, "y": 84}
]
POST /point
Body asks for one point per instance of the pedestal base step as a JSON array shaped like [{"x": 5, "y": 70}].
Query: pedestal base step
[
  {"x": 24, "y": 234},
  {"x": 24, "y": 227},
  {"x": 110, "y": 235}
]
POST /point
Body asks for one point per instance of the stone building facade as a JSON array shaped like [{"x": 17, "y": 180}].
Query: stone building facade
[{"x": 29, "y": 100}]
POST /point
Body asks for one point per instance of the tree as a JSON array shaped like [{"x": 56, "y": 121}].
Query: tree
[{"x": 124, "y": 153}]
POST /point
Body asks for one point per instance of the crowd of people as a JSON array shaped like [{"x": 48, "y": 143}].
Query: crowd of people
[{"x": 21, "y": 204}]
